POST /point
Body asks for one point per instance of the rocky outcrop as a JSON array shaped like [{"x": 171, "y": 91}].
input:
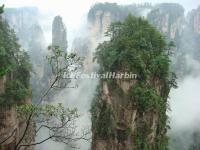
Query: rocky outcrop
[
  {"x": 130, "y": 123},
  {"x": 101, "y": 15},
  {"x": 9, "y": 127},
  {"x": 12, "y": 125},
  {"x": 59, "y": 33},
  {"x": 101, "y": 23}
]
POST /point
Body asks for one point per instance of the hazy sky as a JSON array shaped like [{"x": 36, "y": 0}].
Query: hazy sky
[
  {"x": 74, "y": 11},
  {"x": 84, "y": 4}
]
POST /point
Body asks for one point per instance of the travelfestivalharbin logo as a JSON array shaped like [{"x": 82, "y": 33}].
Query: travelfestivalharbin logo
[{"x": 95, "y": 75}]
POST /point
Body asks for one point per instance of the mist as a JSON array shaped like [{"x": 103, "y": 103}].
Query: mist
[
  {"x": 75, "y": 12},
  {"x": 184, "y": 114},
  {"x": 184, "y": 101}
]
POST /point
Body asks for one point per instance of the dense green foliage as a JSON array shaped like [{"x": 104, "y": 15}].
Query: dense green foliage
[
  {"x": 145, "y": 96},
  {"x": 105, "y": 121},
  {"x": 16, "y": 90},
  {"x": 1, "y": 9},
  {"x": 136, "y": 46},
  {"x": 14, "y": 64},
  {"x": 102, "y": 117},
  {"x": 141, "y": 142},
  {"x": 7, "y": 44}
]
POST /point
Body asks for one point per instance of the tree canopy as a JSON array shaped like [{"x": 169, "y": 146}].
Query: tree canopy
[{"x": 136, "y": 46}]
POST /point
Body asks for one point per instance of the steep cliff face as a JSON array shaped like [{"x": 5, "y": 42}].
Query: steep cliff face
[
  {"x": 194, "y": 20},
  {"x": 168, "y": 18},
  {"x": 12, "y": 125},
  {"x": 9, "y": 126},
  {"x": 101, "y": 23},
  {"x": 193, "y": 33},
  {"x": 59, "y": 33},
  {"x": 187, "y": 54},
  {"x": 101, "y": 15},
  {"x": 124, "y": 126},
  {"x": 128, "y": 124}
]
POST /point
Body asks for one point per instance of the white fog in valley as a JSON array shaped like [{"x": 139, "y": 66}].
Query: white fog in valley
[{"x": 184, "y": 101}]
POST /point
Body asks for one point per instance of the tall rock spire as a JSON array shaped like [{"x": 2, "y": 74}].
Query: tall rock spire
[{"x": 59, "y": 33}]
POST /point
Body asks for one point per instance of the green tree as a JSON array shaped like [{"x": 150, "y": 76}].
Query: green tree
[
  {"x": 15, "y": 65},
  {"x": 1, "y": 9},
  {"x": 58, "y": 120}
]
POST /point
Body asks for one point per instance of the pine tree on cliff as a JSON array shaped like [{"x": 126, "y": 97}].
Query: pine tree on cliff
[{"x": 127, "y": 113}]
